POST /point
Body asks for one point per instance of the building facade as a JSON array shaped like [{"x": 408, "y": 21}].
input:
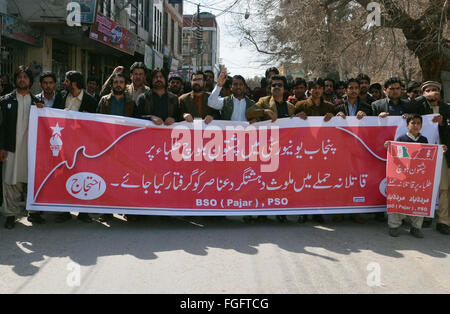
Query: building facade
[
  {"x": 119, "y": 32},
  {"x": 201, "y": 43}
]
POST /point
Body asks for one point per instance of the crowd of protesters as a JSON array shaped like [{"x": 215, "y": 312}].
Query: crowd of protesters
[{"x": 152, "y": 96}]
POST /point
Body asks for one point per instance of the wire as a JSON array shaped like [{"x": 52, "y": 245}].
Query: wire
[
  {"x": 18, "y": 8},
  {"x": 227, "y": 10}
]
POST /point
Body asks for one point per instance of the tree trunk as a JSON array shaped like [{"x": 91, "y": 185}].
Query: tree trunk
[{"x": 431, "y": 68}]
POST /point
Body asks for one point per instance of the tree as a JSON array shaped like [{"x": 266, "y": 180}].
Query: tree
[{"x": 331, "y": 37}]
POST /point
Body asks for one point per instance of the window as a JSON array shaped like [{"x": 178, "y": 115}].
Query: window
[
  {"x": 105, "y": 8},
  {"x": 108, "y": 8},
  {"x": 140, "y": 12},
  {"x": 157, "y": 29},
  {"x": 172, "y": 35},
  {"x": 136, "y": 12},
  {"x": 180, "y": 39},
  {"x": 146, "y": 15},
  {"x": 166, "y": 28}
]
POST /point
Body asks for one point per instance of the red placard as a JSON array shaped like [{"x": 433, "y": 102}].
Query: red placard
[{"x": 413, "y": 176}]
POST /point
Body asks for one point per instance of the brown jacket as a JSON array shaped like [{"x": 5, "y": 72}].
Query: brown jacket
[
  {"x": 257, "y": 110},
  {"x": 106, "y": 88},
  {"x": 104, "y": 105},
  {"x": 307, "y": 106},
  {"x": 188, "y": 105}
]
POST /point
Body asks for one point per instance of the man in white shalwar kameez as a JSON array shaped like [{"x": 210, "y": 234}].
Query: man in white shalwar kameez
[{"x": 15, "y": 157}]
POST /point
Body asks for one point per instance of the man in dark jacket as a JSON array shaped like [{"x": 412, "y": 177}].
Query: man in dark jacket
[
  {"x": 195, "y": 104},
  {"x": 49, "y": 96},
  {"x": 364, "y": 82},
  {"x": 352, "y": 104},
  {"x": 15, "y": 108},
  {"x": 431, "y": 102},
  {"x": 158, "y": 104},
  {"x": 117, "y": 102},
  {"x": 393, "y": 104}
]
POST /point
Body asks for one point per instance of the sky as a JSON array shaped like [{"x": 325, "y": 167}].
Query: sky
[{"x": 238, "y": 60}]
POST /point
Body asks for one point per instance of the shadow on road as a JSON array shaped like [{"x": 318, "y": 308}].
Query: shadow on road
[{"x": 144, "y": 239}]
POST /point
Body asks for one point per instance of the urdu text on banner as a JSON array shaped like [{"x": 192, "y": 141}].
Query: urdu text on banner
[{"x": 108, "y": 164}]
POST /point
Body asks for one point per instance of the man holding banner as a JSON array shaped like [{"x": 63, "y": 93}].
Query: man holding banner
[
  {"x": 15, "y": 109},
  {"x": 431, "y": 103}
]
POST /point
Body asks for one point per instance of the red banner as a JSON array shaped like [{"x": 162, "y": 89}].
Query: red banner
[
  {"x": 112, "y": 34},
  {"x": 413, "y": 176},
  {"x": 97, "y": 163}
]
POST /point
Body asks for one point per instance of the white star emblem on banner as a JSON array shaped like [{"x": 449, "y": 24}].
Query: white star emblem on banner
[{"x": 56, "y": 129}]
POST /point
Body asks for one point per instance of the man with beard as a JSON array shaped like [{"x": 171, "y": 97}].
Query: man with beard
[
  {"x": 364, "y": 83},
  {"x": 315, "y": 105},
  {"x": 116, "y": 103},
  {"x": 232, "y": 107},
  {"x": 49, "y": 96},
  {"x": 176, "y": 85},
  {"x": 76, "y": 99},
  {"x": 431, "y": 102},
  {"x": 158, "y": 105},
  {"x": 15, "y": 108},
  {"x": 328, "y": 91},
  {"x": 137, "y": 87},
  {"x": 195, "y": 104},
  {"x": 209, "y": 78}
]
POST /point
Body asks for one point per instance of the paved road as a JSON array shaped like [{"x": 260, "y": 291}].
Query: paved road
[{"x": 228, "y": 256}]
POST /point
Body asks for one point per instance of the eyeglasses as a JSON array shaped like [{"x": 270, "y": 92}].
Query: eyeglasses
[
  {"x": 197, "y": 80},
  {"x": 277, "y": 85}
]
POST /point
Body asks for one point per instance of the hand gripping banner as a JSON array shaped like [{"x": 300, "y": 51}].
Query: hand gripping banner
[{"x": 107, "y": 164}]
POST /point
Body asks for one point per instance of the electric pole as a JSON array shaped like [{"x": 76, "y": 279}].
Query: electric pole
[{"x": 199, "y": 40}]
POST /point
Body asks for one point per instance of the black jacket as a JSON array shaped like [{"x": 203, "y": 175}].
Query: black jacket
[
  {"x": 59, "y": 102},
  {"x": 145, "y": 105},
  {"x": 9, "y": 106},
  {"x": 88, "y": 102},
  {"x": 382, "y": 105},
  {"x": 421, "y": 106},
  {"x": 362, "y": 106}
]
